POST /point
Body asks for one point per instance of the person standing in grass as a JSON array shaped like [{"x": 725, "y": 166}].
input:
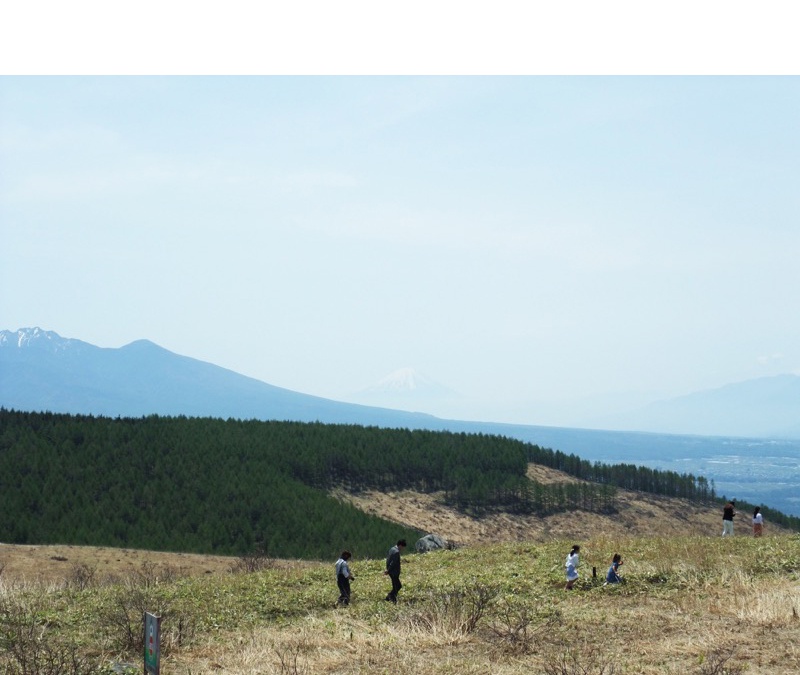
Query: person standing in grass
[
  {"x": 728, "y": 512},
  {"x": 571, "y": 565},
  {"x": 393, "y": 569},
  {"x": 758, "y": 522},
  {"x": 343, "y": 577},
  {"x": 613, "y": 576}
]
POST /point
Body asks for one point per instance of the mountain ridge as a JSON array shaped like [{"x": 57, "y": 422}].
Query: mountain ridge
[
  {"x": 39, "y": 368},
  {"x": 761, "y": 407},
  {"x": 48, "y": 372}
]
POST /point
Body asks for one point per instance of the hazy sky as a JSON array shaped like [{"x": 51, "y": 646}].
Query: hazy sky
[{"x": 525, "y": 241}]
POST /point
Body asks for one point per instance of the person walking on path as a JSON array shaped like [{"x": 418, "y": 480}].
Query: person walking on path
[
  {"x": 573, "y": 560},
  {"x": 758, "y": 522},
  {"x": 393, "y": 569},
  {"x": 727, "y": 518},
  {"x": 343, "y": 577},
  {"x": 613, "y": 576}
]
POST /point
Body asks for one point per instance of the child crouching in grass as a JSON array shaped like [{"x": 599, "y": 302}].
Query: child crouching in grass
[{"x": 613, "y": 576}]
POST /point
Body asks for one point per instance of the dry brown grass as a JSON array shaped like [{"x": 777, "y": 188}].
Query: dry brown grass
[
  {"x": 61, "y": 563},
  {"x": 58, "y": 563},
  {"x": 639, "y": 514},
  {"x": 621, "y": 635}
]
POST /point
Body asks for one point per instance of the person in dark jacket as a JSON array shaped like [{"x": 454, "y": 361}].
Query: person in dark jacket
[
  {"x": 727, "y": 518},
  {"x": 393, "y": 569}
]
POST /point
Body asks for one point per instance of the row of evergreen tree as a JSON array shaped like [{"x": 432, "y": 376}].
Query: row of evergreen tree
[
  {"x": 217, "y": 486},
  {"x": 627, "y": 476}
]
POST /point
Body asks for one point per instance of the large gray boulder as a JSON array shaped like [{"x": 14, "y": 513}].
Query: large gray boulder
[{"x": 430, "y": 542}]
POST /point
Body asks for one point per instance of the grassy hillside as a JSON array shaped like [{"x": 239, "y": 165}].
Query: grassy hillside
[{"x": 703, "y": 605}]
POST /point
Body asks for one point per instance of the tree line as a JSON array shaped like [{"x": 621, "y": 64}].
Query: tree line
[
  {"x": 230, "y": 486},
  {"x": 627, "y": 476}
]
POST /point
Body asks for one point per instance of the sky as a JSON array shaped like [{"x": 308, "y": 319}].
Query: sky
[{"x": 550, "y": 247}]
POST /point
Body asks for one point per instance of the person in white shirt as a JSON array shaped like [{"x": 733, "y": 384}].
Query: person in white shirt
[
  {"x": 571, "y": 565},
  {"x": 758, "y": 522}
]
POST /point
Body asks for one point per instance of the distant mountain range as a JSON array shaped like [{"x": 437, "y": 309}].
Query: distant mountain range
[
  {"x": 40, "y": 370},
  {"x": 767, "y": 407}
]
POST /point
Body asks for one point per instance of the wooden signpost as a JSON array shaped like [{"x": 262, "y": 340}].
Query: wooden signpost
[{"x": 152, "y": 644}]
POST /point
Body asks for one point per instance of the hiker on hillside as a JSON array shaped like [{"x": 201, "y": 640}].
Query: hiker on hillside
[
  {"x": 758, "y": 522},
  {"x": 571, "y": 566},
  {"x": 343, "y": 577},
  {"x": 613, "y": 575},
  {"x": 728, "y": 512},
  {"x": 393, "y": 569}
]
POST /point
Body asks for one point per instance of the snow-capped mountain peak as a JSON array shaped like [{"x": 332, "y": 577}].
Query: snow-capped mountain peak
[
  {"x": 38, "y": 339},
  {"x": 403, "y": 379},
  {"x": 28, "y": 337},
  {"x": 406, "y": 389},
  {"x": 406, "y": 383}
]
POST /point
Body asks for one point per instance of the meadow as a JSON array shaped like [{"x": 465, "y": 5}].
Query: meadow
[{"x": 689, "y": 604}]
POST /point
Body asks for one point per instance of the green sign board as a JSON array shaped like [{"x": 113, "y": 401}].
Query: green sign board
[{"x": 152, "y": 644}]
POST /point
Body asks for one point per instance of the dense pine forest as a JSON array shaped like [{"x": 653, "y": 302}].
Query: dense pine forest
[{"x": 231, "y": 486}]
